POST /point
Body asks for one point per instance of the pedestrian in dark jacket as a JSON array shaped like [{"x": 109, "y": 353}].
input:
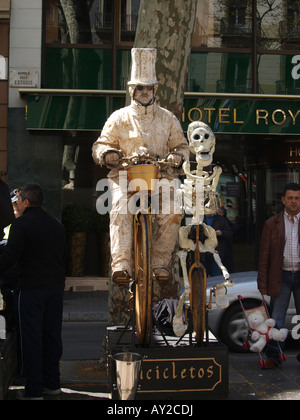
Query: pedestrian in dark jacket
[
  {"x": 37, "y": 244},
  {"x": 6, "y": 208},
  {"x": 279, "y": 262},
  {"x": 8, "y": 281}
]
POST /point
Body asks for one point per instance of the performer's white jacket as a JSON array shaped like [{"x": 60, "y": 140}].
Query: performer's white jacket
[{"x": 125, "y": 132}]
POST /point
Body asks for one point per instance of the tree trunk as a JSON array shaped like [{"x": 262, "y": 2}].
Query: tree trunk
[
  {"x": 168, "y": 27},
  {"x": 68, "y": 8}
]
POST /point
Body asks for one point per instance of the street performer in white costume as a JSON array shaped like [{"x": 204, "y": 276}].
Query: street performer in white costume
[{"x": 141, "y": 125}]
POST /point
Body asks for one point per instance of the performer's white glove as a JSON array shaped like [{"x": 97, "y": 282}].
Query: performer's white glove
[
  {"x": 111, "y": 159},
  {"x": 174, "y": 158}
]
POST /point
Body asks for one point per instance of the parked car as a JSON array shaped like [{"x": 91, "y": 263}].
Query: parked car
[{"x": 229, "y": 324}]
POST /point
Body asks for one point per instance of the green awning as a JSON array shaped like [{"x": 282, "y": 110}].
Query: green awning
[
  {"x": 224, "y": 113},
  {"x": 70, "y": 110}
]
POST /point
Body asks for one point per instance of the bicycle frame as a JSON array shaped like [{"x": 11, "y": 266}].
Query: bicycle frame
[{"x": 143, "y": 278}]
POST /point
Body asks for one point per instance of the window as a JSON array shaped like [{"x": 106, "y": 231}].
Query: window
[
  {"x": 223, "y": 23},
  {"x": 79, "y": 22},
  {"x": 278, "y": 24},
  {"x": 90, "y": 21},
  {"x": 103, "y": 21},
  {"x": 275, "y": 75},
  {"x": 129, "y": 17},
  {"x": 78, "y": 68},
  {"x": 220, "y": 72},
  {"x": 269, "y": 24}
]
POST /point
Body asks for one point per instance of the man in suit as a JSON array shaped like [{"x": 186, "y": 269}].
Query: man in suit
[
  {"x": 279, "y": 263},
  {"x": 37, "y": 243}
]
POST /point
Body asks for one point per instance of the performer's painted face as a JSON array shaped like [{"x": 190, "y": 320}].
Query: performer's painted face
[{"x": 144, "y": 94}]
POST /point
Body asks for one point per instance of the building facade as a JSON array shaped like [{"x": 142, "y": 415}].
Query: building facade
[
  {"x": 4, "y": 52},
  {"x": 68, "y": 67}
]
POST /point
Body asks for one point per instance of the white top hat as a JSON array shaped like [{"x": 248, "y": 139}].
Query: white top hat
[{"x": 143, "y": 67}]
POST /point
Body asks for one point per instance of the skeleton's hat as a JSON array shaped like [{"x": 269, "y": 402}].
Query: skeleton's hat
[{"x": 143, "y": 67}]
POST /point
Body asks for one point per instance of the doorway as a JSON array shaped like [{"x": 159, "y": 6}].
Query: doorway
[{"x": 87, "y": 231}]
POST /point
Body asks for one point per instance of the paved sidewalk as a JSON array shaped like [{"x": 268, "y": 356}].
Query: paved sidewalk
[
  {"x": 247, "y": 381},
  {"x": 87, "y": 379}
]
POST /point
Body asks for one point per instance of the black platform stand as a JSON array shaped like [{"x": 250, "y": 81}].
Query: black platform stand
[{"x": 173, "y": 369}]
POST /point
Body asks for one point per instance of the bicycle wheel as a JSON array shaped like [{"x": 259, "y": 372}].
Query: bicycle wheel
[
  {"x": 198, "y": 300},
  {"x": 143, "y": 288}
]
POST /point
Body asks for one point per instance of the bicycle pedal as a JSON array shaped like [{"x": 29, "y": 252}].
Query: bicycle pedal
[
  {"x": 161, "y": 278},
  {"x": 122, "y": 282},
  {"x": 121, "y": 278},
  {"x": 161, "y": 275}
]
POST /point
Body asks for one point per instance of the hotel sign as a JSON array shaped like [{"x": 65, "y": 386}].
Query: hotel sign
[
  {"x": 287, "y": 151},
  {"x": 245, "y": 114}
]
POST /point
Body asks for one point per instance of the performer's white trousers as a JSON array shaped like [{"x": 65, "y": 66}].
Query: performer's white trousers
[{"x": 121, "y": 230}]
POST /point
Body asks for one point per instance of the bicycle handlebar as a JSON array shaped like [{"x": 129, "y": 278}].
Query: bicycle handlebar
[{"x": 145, "y": 159}]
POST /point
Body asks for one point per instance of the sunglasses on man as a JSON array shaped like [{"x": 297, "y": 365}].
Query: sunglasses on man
[{"x": 140, "y": 87}]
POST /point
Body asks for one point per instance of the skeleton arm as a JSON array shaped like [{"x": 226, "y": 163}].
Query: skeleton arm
[
  {"x": 179, "y": 327},
  {"x": 220, "y": 264},
  {"x": 213, "y": 179}
]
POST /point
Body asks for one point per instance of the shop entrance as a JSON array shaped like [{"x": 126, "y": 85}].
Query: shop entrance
[
  {"x": 87, "y": 231},
  {"x": 255, "y": 170},
  {"x": 238, "y": 190}
]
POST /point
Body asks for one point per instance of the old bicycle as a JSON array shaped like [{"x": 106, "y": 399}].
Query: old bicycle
[{"x": 143, "y": 174}]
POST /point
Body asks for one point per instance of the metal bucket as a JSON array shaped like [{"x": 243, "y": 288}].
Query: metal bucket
[
  {"x": 128, "y": 367},
  {"x": 148, "y": 173}
]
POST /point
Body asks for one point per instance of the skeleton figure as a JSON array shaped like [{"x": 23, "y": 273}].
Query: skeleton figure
[
  {"x": 202, "y": 143},
  {"x": 199, "y": 198}
]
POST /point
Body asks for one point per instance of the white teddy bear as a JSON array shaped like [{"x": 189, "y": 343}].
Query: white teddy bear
[{"x": 262, "y": 331}]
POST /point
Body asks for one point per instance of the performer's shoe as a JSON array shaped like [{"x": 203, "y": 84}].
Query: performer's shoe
[
  {"x": 161, "y": 274},
  {"x": 121, "y": 277}
]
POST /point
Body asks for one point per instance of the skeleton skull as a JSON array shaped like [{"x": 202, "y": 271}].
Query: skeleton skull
[{"x": 202, "y": 142}]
